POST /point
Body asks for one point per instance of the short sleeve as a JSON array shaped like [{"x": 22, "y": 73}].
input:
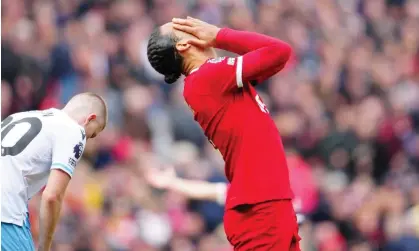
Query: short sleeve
[
  {"x": 225, "y": 72},
  {"x": 67, "y": 149}
]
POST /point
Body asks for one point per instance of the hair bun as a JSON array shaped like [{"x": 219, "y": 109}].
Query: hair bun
[{"x": 171, "y": 78}]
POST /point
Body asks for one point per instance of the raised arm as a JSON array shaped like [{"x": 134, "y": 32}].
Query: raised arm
[
  {"x": 242, "y": 42},
  {"x": 261, "y": 56}
]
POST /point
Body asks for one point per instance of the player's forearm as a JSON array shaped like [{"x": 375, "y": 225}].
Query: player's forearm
[
  {"x": 49, "y": 216},
  {"x": 199, "y": 190},
  {"x": 263, "y": 56},
  {"x": 242, "y": 42},
  {"x": 264, "y": 62}
]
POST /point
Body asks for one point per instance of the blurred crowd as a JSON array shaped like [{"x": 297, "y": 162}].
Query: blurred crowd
[{"x": 346, "y": 105}]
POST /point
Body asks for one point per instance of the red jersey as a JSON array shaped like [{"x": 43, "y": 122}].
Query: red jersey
[{"x": 237, "y": 122}]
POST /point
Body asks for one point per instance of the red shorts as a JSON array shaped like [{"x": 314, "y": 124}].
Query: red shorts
[{"x": 265, "y": 226}]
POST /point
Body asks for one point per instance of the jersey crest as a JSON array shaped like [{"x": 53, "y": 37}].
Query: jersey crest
[
  {"x": 231, "y": 61},
  {"x": 83, "y": 134},
  {"x": 216, "y": 60},
  {"x": 78, "y": 150}
]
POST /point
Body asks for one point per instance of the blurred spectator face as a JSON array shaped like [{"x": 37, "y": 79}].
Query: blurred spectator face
[
  {"x": 181, "y": 244},
  {"x": 361, "y": 247},
  {"x": 298, "y": 35},
  {"x": 370, "y": 114},
  {"x": 412, "y": 8},
  {"x": 366, "y": 221},
  {"x": 345, "y": 118},
  {"x": 137, "y": 99},
  {"x": 282, "y": 90},
  {"x": 241, "y": 18},
  {"x": 122, "y": 13},
  {"x": 82, "y": 59},
  {"x": 45, "y": 22},
  {"x": 375, "y": 9},
  {"x": 290, "y": 124}
]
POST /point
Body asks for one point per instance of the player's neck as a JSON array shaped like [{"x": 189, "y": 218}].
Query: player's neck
[
  {"x": 196, "y": 58},
  {"x": 194, "y": 64},
  {"x": 72, "y": 114}
]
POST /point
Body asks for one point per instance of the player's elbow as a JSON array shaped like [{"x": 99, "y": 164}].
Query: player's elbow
[
  {"x": 51, "y": 197},
  {"x": 282, "y": 52},
  {"x": 288, "y": 51}
]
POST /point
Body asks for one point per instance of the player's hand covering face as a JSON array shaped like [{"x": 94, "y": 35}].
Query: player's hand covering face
[{"x": 205, "y": 33}]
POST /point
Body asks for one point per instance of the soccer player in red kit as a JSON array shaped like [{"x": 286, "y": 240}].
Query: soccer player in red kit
[{"x": 259, "y": 213}]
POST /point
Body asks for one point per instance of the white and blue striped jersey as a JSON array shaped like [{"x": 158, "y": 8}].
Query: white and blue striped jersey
[{"x": 33, "y": 143}]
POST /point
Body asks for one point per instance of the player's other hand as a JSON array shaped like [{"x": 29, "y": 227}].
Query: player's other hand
[
  {"x": 160, "y": 179},
  {"x": 205, "y": 32}
]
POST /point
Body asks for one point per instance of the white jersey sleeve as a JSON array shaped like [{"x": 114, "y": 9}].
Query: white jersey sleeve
[
  {"x": 67, "y": 149},
  {"x": 221, "y": 192}
]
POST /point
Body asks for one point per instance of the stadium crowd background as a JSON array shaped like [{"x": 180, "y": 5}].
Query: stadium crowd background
[{"x": 347, "y": 106}]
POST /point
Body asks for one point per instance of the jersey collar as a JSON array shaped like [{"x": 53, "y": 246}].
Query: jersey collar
[
  {"x": 194, "y": 70},
  {"x": 67, "y": 117}
]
